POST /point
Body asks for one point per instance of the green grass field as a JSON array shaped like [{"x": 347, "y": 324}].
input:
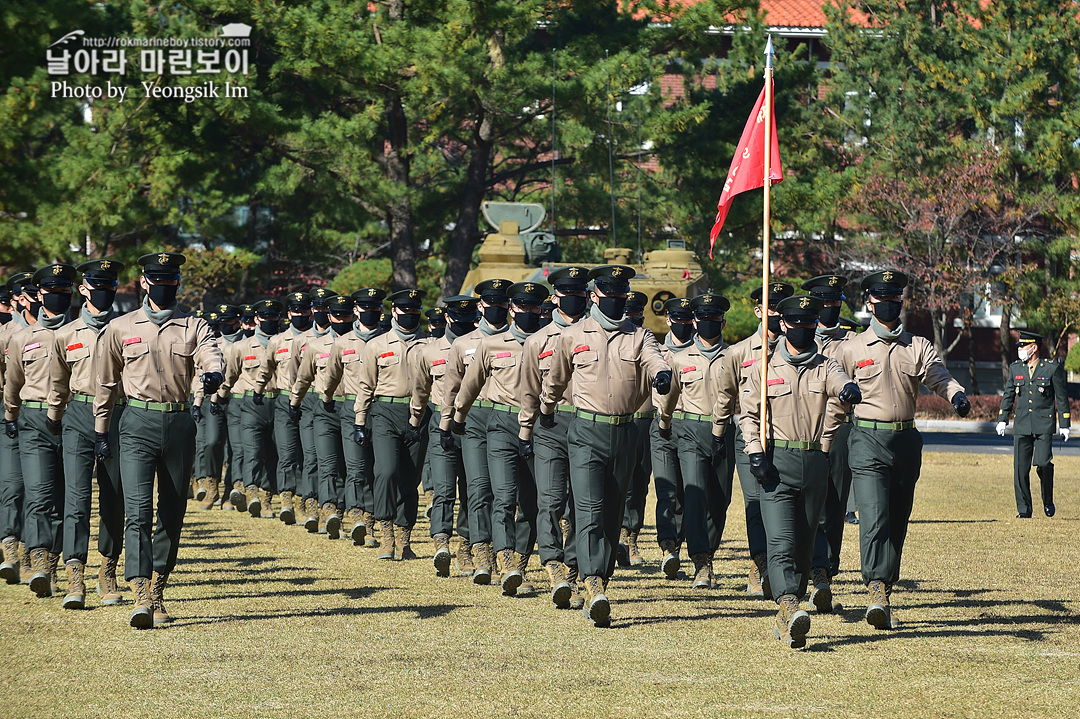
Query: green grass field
[{"x": 274, "y": 622}]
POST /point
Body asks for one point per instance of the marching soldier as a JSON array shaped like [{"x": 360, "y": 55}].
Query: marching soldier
[
  {"x": 885, "y": 449},
  {"x": 790, "y": 461},
  {"x": 1033, "y": 394},
  {"x": 11, "y": 477},
  {"x": 224, "y": 322},
  {"x": 495, "y": 375},
  {"x": 75, "y": 358},
  {"x": 634, "y": 515},
  {"x": 436, "y": 318},
  {"x": 609, "y": 360},
  {"x": 737, "y": 363},
  {"x": 26, "y": 396},
  {"x": 152, "y": 353},
  {"x": 706, "y": 461},
  {"x": 447, "y": 468},
  {"x": 551, "y": 452},
  {"x": 230, "y": 414},
  {"x": 382, "y": 420}
]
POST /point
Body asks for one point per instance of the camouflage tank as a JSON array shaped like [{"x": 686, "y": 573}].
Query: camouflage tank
[{"x": 517, "y": 252}]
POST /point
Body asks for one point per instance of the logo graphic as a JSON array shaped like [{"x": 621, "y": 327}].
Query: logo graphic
[
  {"x": 70, "y": 36},
  {"x": 236, "y": 29}
]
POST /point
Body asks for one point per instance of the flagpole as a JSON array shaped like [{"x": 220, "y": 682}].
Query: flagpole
[{"x": 765, "y": 248}]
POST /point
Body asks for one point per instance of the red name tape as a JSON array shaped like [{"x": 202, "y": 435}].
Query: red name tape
[
  {"x": 775, "y": 380},
  {"x": 34, "y": 346},
  {"x": 250, "y": 357},
  {"x": 546, "y": 354},
  {"x": 348, "y": 352},
  {"x": 76, "y": 346},
  {"x": 386, "y": 354},
  {"x": 747, "y": 363},
  {"x": 324, "y": 355},
  {"x": 436, "y": 363},
  {"x": 691, "y": 368},
  {"x": 500, "y": 355},
  {"x": 582, "y": 348},
  {"x": 864, "y": 363},
  {"x": 132, "y": 341},
  {"x": 283, "y": 349},
  {"x": 1019, "y": 376}
]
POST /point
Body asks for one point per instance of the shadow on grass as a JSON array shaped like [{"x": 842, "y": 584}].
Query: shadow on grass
[
  {"x": 426, "y": 611},
  {"x": 953, "y": 521}
]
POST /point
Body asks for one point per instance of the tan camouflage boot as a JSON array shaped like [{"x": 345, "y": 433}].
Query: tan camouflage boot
[
  {"x": 107, "y": 589},
  {"x": 526, "y": 588},
  {"x": 311, "y": 510},
  {"x": 200, "y": 489},
  {"x": 54, "y": 578},
  {"x": 357, "y": 526},
  {"x": 237, "y": 497},
  {"x": 464, "y": 559},
  {"x": 370, "y": 542},
  {"x": 597, "y": 608},
  {"x": 511, "y": 579},
  {"x": 267, "y": 505},
  {"x": 39, "y": 579},
  {"x": 429, "y": 497},
  {"x": 404, "y": 544},
  {"x": 482, "y": 553},
  {"x": 560, "y": 588},
  {"x": 76, "y": 594},
  {"x": 821, "y": 595},
  {"x": 142, "y": 617},
  {"x": 157, "y": 599},
  {"x": 792, "y": 623},
  {"x": 622, "y": 552},
  {"x": 636, "y": 560},
  {"x": 670, "y": 564},
  {"x": 386, "y": 529},
  {"x": 576, "y": 600},
  {"x": 761, "y": 564},
  {"x": 191, "y": 488},
  {"x": 702, "y": 571},
  {"x": 254, "y": 500},
  {"x": 287, "y": 515},
  {"x": 879, "y": 613},
  {"x": 26, "y": 570},
  {"x": 442, "y": 555},
  {"x": 564, "y": 526},
  {"x": 333, "y": 520},
  {"x": 753, "y": 580},
  {"x": 9, "y": 569},
  {"x": 211, "y": 497}
]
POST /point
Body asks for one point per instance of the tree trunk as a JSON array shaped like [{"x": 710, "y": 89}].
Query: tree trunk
[
  {"x": 938, "y": 319},
  {"x": 464, "y": 236},
  {"x": 399, "y": 210},
  {"x": 971, "y": 359},
  {"x": 1005, "y": 338}
]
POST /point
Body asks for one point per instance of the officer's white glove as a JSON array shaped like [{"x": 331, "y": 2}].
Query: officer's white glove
[
  {"x": 1000, "y": 429},
  {"x": 1064, "y": 432}
]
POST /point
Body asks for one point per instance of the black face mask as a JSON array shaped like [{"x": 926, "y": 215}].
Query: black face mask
[
  {"x": 370, "y": 318},
  {"x": 322, "y": 319},
  {"x": 637, "y": 321},
  {"x": 612, "y": 307},
  {"x": 830, "y": 316},
  {"x": 269, "y": 327},
  {"x": 545, "y": 321},
  {"x": 460, "y": 329},
  {"x": 5, "y": 317},
  {"x": 102, "y": 299},
  {"x": 573, "y": 305},
  {"x": 888, "y": 310},
  {"x": 496, "y": 316},
  {"x": 33, "y": 307},
  {"x": 301, "y": 323},
  {"x": 683, "y": 331},
  {"x": 249, "y": 333},
  {"x": 438, "y": 332},
  {"x": 341, "y": 327},
  {"x": 408, "y": 323},
  {"x": 227, "y": 329},
  {"x": 774, "y": 324},
  {"x": 801, "y": 338},
  {"x": 163, "y": 295},
  {"x": 527, "y": 322},
  {"x": 710, "y": 329},
  {"x": 56, "y": 302}
]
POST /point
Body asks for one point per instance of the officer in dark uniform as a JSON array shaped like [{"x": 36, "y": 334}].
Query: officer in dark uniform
[{"x": 1034, "y": 393}]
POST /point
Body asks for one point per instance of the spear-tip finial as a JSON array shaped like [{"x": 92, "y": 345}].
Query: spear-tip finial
[{"x": 769, "y": 52}]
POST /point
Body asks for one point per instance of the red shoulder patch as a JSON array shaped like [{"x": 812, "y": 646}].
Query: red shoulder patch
[
  {"x": 581, "y": 348},
  {"x": 775, "y": 380},
  {"x": 864, "y": 363},
  {"x": 76, "y": 346}
]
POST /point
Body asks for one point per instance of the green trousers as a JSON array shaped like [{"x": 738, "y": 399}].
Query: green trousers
[
  {"x": 551, "y": 465},
  {"x": 330, "y": 454},
  {"x": 1029, "y": 450},
  {"x": 474, "y": 456},
  {"x": 160, "y": 444},
  {"x": 79, "y": 470},
  {"x": 638, "y": 494},
  {"x": 791, "y": 506},
  {"x": 707, "y": 481},
  {"x": 359, "y": 463},
  {"x": 512, "y": 487},
  {"x": 43, "y": 480},
  {"x": 260, "y": 452},
  {"x": 234, "y": 425},
  {"x": 448, "y": 483},
  {"x": 200, "y": 468},
  {"x": 885, "y": 466},
  {"x": 830, "y": 534},
  {"x": 287, "y": 440},
  {"x": 214, "y": 429},
  {"x": 307, "y": 481},
  {"x": 668, "y": 481},
  {"x": 12, "y": 492},
  {"x": 755, "y": 528},
  {"x": 600, "y": 471},
  {"x": 397, "y": 466}
]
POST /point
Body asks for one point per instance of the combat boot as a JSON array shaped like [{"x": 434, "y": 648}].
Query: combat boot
[
  {"x": 636, "y": 560},
  {"x": 671, "y": 564},
  {"x": 311, "y": 510},
  {"x": 576, "y": 600},
  {"x": 142, "y": 617},
  {"x": 357, "y": 527},
  {"x": 622, "y": 551},
  {"x": 200, "y": 489},
  {"x": 211, "y": 497},
  {"x": 387, "y": 530},
  {"x": 526, "y": 587},
  {"x": 753, "y": 577},
  {"x": 703, "y": 573},
  {"x": 287, "y": 515},
  {"x": 761, "y": 564},
  {"x": 76, "y": 594},
  {"x": 560, "y": 588},
  {"x": 792, "y": 623},
  {"x": 511, "y": 579},
  {"x": 442, "y": 555},
  {"x": 429, "y": 497},
  {"x": 9, "y": 569},
  {"x": 267, "y": 505},
  {"x": 39, "y": 578},
  {"x": 482, "y": 552},
  {"x": 107, "y": 589},
  {"x": 597, "y": 608},
  {"x": 254, "y": 500},
  {"x": 54, "y": 577},
  {"x": 369, "y": 521},
  {"x": 464, "y": 559},
  {"x": 879, "y": 613},
  {"x": 333, "y": 520},
  {"x": 157, "y": 599},
  {"x": 27, "y": 569},
  {"x": 237, "y": 497},
  {"x": 404, "y": 544},
  {"x": 564, "y": 527},
  {"x": 821, "y": 596}
]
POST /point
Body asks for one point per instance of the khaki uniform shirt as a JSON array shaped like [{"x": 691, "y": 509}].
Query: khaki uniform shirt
[
  {"x": 536, "y": 359},
  {"x": 429, "y": 380},
  {"x": 282, "y": 360},
  {"x": 694, "y": 383},
  {"x": 154, "y": 364},
  {"x": 314, "y": 361},
  {"x": 889, "y": 373},
  {"x": 29, "y": 368},
  {"x": 243, "y": 361},
  {"x": 612, "y": 371},
  {"x": 457, "y": 363},
  {"x": 75, "y": 358},
  {"x": 6, "y": 333},
  {"x": 387, "y": 365},
  {"x": 494, "y": 374},
  {"x": 798, "y": 402},
  {"x": 738, "y": 365},
  {"x": 343, "y": 372}
]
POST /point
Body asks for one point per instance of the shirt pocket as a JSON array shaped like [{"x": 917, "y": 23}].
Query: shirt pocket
[
  {"x": 135, "y": 352},
  {"x": 911, "y": 375},
  {"x": 586, "y": 367},
  {"x": 781, "y": 402},
  {"x": 77, "y": 353},
  {"x": 251, "y": 362}
]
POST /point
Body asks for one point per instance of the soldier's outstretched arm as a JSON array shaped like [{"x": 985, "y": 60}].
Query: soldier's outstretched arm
[
  {"x": 1061, "y": 396},
  {"x": 471, "y": 385},
  {"x": 110, "y": 369},
  {"x": 367, "y": 381},
  {"x": 305, "y": 375},
  {"x": 558, "y": 377},
  {"x": 59, "y": 378}
]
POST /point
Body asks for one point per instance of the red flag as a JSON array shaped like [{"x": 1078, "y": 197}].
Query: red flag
[{"x": 748, "y": 166}]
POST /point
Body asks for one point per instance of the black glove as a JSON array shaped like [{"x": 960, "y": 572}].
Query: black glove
[
  {"x": 961, "y": 404},
  {"x": 360, "y": 435},
  {"x": 258, "y": 398},
  {"x": 760, "y": 466},
  {"x": 215, "y": 408},
  {"x": 53, "y": 427},
  {"x": 525, "y": 449},
  {"x": 412, "y": 436},
  {"x": 547, "y": 420},
  {"x": 719, "y": 445},
  {"x": 101, "y": 446},
  {"x": 330, "y": 405},
  {"x": 850, "y": 394},
  {"x": 664, "y": 432},
  {"x": 446, "y": 440},
  {"x": 11, "y": 429},
  {"x": 662, "y": 381},
  {"x": 211, "y": 382},
  {"x": 294, "y": 412},
  {"x": 196, "y": 413},
  {"x": 457, "y": 427}
]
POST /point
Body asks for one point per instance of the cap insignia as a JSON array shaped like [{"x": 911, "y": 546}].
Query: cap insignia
[
  {"x": 887, "y": 276},
  {"x": 804, "y": 302},
  {"x": 163, "y": 258}
]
